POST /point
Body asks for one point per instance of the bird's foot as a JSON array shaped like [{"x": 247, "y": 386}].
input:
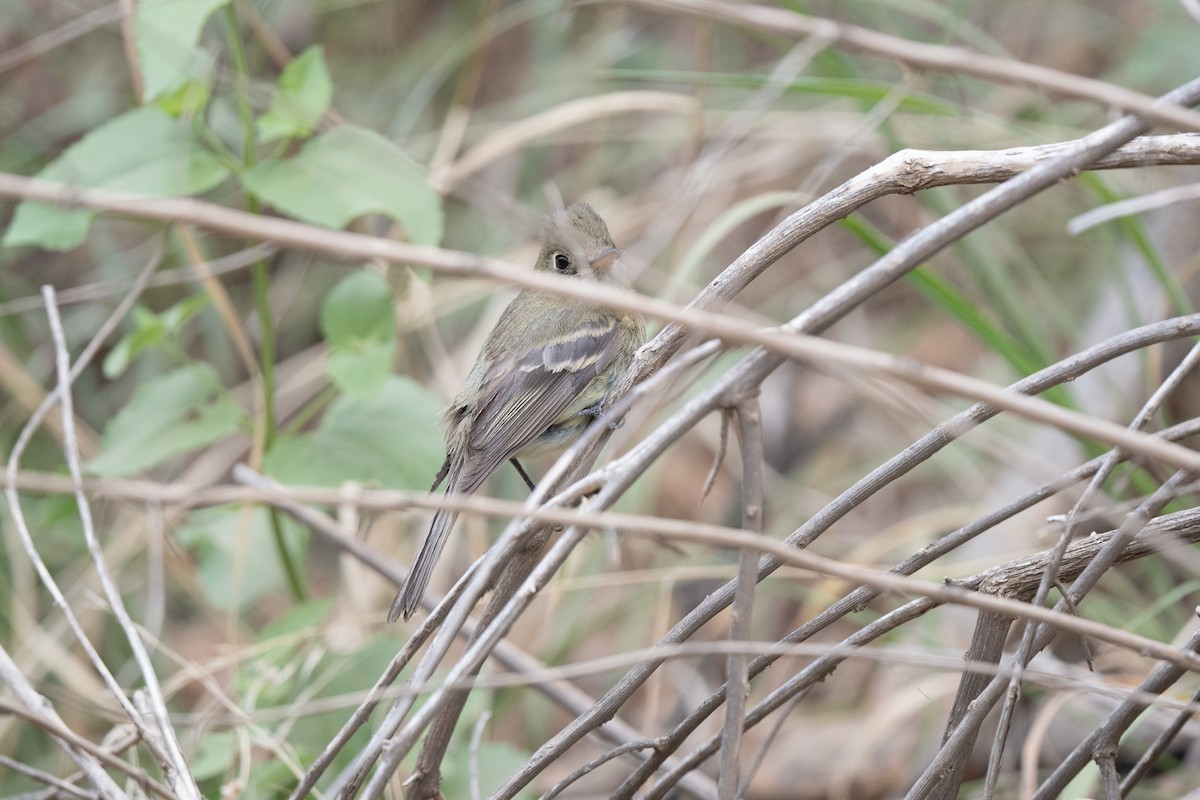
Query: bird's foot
[{"x": 595, "y": 412}]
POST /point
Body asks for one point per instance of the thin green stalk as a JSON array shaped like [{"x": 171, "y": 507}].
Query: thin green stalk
[
  {"x": 310, "y": 410},
  {"x": 262, "y": 298}
]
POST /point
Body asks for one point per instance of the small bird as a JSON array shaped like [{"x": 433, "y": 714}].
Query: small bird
[{"x": 543, "y": 375}]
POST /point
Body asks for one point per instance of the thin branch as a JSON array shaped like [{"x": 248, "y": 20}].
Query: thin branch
[
  {"x": 1016, "y": 578},
  {"x": 1179, "y": 524},
  {"x": 595, "y": 763},
  {"x": 987, "y": 645},
  {"x": 565, "y": 694},
  {"x": 42, "y": 713},
  {"x": 857, "y": 599},
  {"x": 1110, "y": 781},
  {"x": 83, "y": 24},
  {"x": 18, "y": 517},
  {"x": 473, "y": 752},
  {"x": 737, "y": 682},
  {"x": 833, "y": 306},
  {"x": 90, "y": 292},
  {"x": 1065, "y": 678},
  {"x": 129, "y": 46},
  {"x": 38, "y": 775},
  {"x": 1159, "y": 680},
  {"x": 512, "y": 559},
  {"x": 1134, "y": 205},
  {"x": 1158, "y": 747},
  {"x": 539, "y": 126},
  {"x": 175, "y": 767},
  {"x": 782, "y": 696},
  {"x": 904, "y": 172},
  {"x": 719, "y": 457},
  {"x": 1115, "y": 549},
  {"x": 955, "y": 60},
  {"x": 1025, "y": 652},
  {"x": 223, "y": 305},
  {"x": 755, "y": 367}
]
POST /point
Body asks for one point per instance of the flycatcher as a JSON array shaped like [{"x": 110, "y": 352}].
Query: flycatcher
[{"x": 544, "y": 373}]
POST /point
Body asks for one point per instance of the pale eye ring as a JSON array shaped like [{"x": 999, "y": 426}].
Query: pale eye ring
[{"x": 562, "y": 262}]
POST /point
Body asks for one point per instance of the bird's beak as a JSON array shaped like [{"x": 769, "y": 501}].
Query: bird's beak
[{"x": 604, "y": 258}]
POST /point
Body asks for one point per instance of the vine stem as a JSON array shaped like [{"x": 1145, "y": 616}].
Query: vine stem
[{"x": 262, "y": 305}]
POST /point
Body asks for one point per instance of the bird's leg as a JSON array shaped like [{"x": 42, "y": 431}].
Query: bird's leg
[
  {"x": 595, "y": 412},
  {"x": 524, "y": 474}
]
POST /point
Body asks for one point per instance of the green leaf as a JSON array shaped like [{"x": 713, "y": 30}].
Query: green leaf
[
  {"x": 301, "y": 98},
  {"x": 166, "y": 32},
  {"x": 144, "y": 151},
  {"x": 359, "y": 307},
  {"x": 173, "y": 414},
  {"x": 359, "y": 322},
  {"x": 150, "y": 330},
  {"x": 187, "y": 100},
  {"x": 346, "y": 173},
  {"x": 363, "y": 370},
  {"x": 217, "y": 751},
  {"x": 175, "y": 317},
  {"x": 236, "y": 553},
  {"x": 391, "y": 439},
  {"x": 301, "y": 618}
]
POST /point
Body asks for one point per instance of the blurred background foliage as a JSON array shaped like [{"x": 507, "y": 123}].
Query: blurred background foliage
[{"x": 459, "y": 124}]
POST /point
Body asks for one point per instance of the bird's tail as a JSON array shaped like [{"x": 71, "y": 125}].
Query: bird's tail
[{"x": 409, "y": 597}]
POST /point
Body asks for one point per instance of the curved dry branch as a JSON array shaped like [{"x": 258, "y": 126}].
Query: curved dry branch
[{"x": 755, "y": 367}]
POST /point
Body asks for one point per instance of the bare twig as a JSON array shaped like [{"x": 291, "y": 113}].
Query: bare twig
[
  {"x": 957, "y": 60},
  {"x": 737, "y": 683},
  {"x": 129, "y": 46},
  {"x": 38, "y": 775},
  {"x": 1136, "y": 205},
  {"x": 104, "y": 756},
  {"x": 1158, "y": 681},
  {"x": 539, "y": 126},
  {"x": 958, "y": 742},
  {"x": 719, "y": 457},
  {"x": 476, "y": 741},
  {"x": 1158, "y": 747},
  {"x": 42, "y": 713},
  {"x": 1014, "y": 579},
  {"x": 26, "y": 538},
  {"x": 1050, "y": 579},
  {"x": 755, "y": 367},
  {"x": 559, "y": 691},
  {"x": 599, "y": 761},
  {"x": 857, "y": 599},
  {"x": 83, "y": 24},
  {"x": 236, "y": 331},
  {"x": 90, "y": 292},
  {"x": 175, "y": 767},
  {"x": 903, "y": 173}
]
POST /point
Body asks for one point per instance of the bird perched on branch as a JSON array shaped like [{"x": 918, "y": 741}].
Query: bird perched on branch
[{"x": 544, "y": 373}]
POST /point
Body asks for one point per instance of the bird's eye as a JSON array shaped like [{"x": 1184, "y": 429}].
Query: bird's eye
[{"x": 562, "y": 262}]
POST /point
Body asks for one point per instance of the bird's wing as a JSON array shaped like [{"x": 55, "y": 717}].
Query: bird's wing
[{"x": 524, "y": 395}]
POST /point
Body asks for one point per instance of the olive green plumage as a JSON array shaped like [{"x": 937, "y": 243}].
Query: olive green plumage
[{"x": 544, "y": 372}]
